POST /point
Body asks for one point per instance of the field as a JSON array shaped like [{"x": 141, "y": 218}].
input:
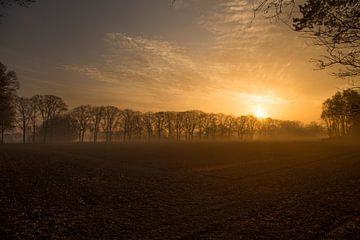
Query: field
[{"x": 204, "y": 190}]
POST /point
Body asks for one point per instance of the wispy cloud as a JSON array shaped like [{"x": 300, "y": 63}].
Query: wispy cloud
[
  {"x": 91, "y": 72},
  {"x": 233, "y": 24},
  {"x": 143, "y": 62}
]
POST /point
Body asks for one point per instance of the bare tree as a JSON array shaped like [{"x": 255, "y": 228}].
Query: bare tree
[
  {"x": 211, "y": 126},
  {"x": 148, "y": 120},
  {"x": 81, "y": 118},
  {"x": 159, "y": 121},
  {"x": 34, "y": 116},
  {"x": 169, "y": 123},
  {"x": 111, "y": 114},
  {"x": 130, "y": 119},
  {"x": 333, "y": 25},
  {"x": 23, "y": 115},
  {"x": 179, "y": 124},
  {"x": 190, "y": 123},
  {"x": 97, "y": 115},
  {"x": 251, "y": 125},
  {"x": 241, "y": 126}
]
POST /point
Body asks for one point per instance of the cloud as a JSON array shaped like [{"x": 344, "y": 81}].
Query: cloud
[
  {"x": 91, "y": 72},
  {"x": 143, "y": 62},
  {"x": 233, "y": 24}
]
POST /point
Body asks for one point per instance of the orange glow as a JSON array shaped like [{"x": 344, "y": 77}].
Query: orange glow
[{"x": 259, "y": 113}]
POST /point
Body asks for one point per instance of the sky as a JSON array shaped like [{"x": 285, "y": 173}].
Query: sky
[{"x": 146, "y": 55}]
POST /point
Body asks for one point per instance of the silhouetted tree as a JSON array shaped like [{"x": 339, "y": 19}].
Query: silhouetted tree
[
  {"x": 148, "y": 120},
  {"x": 341, "y": 113},
  {"x": 49, "y": 106},
  {"x": 8, "y": 87},
  {"x": 169, "y": 123},
  {"x": 34, "y": 117},
  {"x": 97, "y": 116},
  {"x": 111, "y": 115},
  {"x": 130, "y": 119},
  {"x": 202, "y": 123},
  {"x": 210, "y": 127},
  {"x": 62, "y": 129},
  {"x": 159, "y": 123},
  {"x": 241, "y": 123},
  {"x": 23, "y": 114},
  {"x": 190, "y": 123},
  {"x": 333, "y": 24},
  {"x": 179, "y": 124},
  {"x": 81, "y": 120}
]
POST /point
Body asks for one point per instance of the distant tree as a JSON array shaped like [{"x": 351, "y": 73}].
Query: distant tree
[
  {"x": 111, "y": 115},
  {"x": 169, "y": 123},
  {"x": 202, "y": 123},
  {"x": 241, "y": 123},
  {"x": 49, "y": 107},
  {"x": 62, "y": 129},
  {"x": 159, "y": 123},
  {"x": 34, "y": 117},
  {"x": 81, "y": 119},
  {"x": 190, "y": 123},
  {"x": 97, "y": 116},
  {"x": 210, "y": 125},
  {"x": 8, "y": 87},
  {"x": 221, "y": 122},
  {"x": 251, "y": 125},
  {"x": 179, "y": 124},
  {"x": 23, "y": 114},
  {"x": 148, "y": 120},
  {"x": 130, "y": 119},
  {"x": 314, "y": 128}
]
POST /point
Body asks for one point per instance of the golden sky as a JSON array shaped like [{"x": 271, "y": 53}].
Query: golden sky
[{"x": 151, "y": 56}]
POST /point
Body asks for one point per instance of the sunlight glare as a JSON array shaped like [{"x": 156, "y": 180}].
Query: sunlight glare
[{"x": 259, "y": 113}]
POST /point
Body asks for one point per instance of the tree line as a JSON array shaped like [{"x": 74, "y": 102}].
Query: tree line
[
  {"x": 47, "y": 116},
  {"x": 43, "y": 118}
]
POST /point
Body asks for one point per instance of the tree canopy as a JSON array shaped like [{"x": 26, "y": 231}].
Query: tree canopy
[
  {"x": 8, "y": 3},
  {"x": 341, "y": 113}
]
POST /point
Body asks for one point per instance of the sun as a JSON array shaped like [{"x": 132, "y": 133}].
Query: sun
[{"x": 259, "y": 113}]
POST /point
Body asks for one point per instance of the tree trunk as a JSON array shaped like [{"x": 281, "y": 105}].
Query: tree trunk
[
  {"x": 95, "y": 135},
  {"x": 45, "y": 132},
  {"x": 110, "y": 133},
  {"x": 24, "y": 131},
  {"x": 2, "y": 134},
  {"x": 33, "y": 133}
]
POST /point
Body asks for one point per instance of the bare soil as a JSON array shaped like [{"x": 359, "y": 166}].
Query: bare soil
[{"x": 204, "y": 190}]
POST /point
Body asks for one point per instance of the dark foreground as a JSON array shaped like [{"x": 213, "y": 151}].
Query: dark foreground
[{"x": 180, "y": 191}]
